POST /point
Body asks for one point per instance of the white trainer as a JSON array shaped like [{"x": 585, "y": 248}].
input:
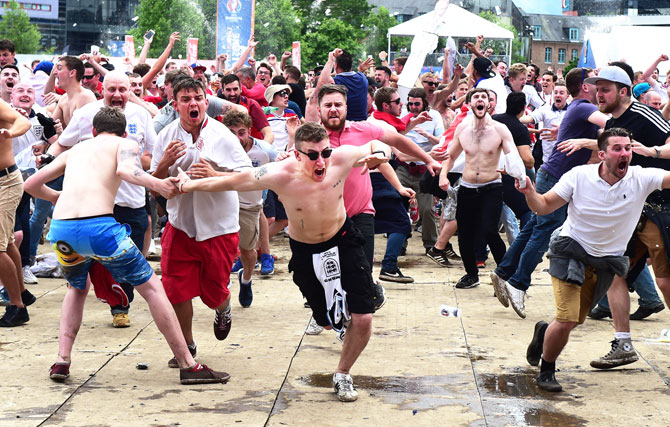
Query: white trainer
[
  {"x": 500, "y": 289},
  {"x": 516, "y": 298},
  {"x": 344, "y": 387},
  {"x": 28, "y": 276},
  {"x": 313, "y": 328}
]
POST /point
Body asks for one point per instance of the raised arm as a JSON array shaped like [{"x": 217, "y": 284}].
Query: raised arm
[
  {"x": 408, "y": 147},
  {"x": 253, "y": 179},
  {"x": 160, "y": 62},
  {"x": 245, "y": 54},
  {"x": 440, "y": 95},
  {"x": 646, "y": 76},
  {"x": 145, "y": 49}
]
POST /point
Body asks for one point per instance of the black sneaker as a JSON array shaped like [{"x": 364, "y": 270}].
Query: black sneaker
[
  {"x": 28, "y": 298},
  {"x": 547, "y": 381},
  {"x": 599, "y": 313},
  {"x": 640, "y": 313},
  {"x": 380, "y": 296},
  {"x": 222, "y": 324},
  {"x": 534, "y": 351},
  {"x": 439, "y": 256},
  {"x": 467, "y": 282},
  {"x": 394, "y": 276},
  {"x": 14, "y": 316},
  {"x": 451, "y": 254}
]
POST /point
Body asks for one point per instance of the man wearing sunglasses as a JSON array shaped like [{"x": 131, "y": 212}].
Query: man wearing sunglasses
[
  {"x": 91, "y": 80},
  {"x": 327, "y": 262},
  {"x": 430, "y": 84}
]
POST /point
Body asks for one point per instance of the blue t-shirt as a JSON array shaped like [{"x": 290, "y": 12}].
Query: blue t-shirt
[
  {"x": 357, "y": 94},
  {"x": 575, "y": 124}
]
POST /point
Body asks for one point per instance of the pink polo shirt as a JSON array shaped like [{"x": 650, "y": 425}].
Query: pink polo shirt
[{"x": 357, "y": 187}]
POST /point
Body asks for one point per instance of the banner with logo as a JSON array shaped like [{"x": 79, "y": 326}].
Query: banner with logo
[
  {"x": 191, "y": 50},
  {"x": 234, "y": 26},
  {"x": 130, "y": 47},
  {"x": 295, "y": 58}
]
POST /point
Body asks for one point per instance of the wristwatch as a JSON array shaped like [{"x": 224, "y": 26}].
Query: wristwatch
[{"x": 658, "y": 152}]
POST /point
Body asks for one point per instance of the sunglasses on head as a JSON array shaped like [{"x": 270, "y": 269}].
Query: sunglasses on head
[
  {"x": 436, "y": 84},
  {"x": 313, "y": 155},
  {"x": 284, "y": 93},
  {"x": 411, "y": 104}
]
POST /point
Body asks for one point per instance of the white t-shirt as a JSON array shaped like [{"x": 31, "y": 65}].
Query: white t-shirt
[
  {"x": 203, "y": 215},
  {"x": 139, "y": 128},
  {"x": 602, "y": 217},
  {"x": 22, "y": 146},
  {"x": 496, "y": 84},
  {"x": 548, "y": 116},
  {"x": 260, "y": 153}
]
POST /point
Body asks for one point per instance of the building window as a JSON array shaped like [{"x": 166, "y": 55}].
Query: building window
[
  {"x": 573, "y": 54},
  {"x": 547, "y": 55},
  {"x": 574, "y": 34},
  {"x": 561, "y": 56},
  {"x": 537, "y": 32}
]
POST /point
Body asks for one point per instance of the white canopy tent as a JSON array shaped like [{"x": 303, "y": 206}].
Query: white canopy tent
[{"x": 457, "y": 22}]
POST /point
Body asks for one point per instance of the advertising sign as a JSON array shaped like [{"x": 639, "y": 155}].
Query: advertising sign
[{"x": 234, "y": 26}]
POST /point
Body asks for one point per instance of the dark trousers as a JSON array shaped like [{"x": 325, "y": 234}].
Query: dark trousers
[
  {"x": 23, "y": 223},
  {"x": 366, "y": 225},
  {"x": 478, "y": 211}
]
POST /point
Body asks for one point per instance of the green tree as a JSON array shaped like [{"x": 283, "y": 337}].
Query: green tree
[
  {"x": 498, "y": 45},
  {"x": 378, "y": 24},
  {"x": 570, "y": 65},
  {"x": 16, "y": 26},
  {"x": 191, "y": 18},
  {"x": 276, "y": 27},
  {"x": 332, "y": 33}
]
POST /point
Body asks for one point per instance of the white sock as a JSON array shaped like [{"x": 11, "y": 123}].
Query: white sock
[
  {"x": 245, "y": 282},
  {"x": 622, "y": 335}
]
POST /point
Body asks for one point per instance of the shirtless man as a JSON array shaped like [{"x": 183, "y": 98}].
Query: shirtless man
[
  {"x": 69, "y": 72},
  {"x": 83, "y": 231},
  {"x": 12, "y": 124},
  {"x": 319, "y": 229},
  {"x": 480, "y": 195}
]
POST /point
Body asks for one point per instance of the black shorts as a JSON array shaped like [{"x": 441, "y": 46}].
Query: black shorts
[
  {"x": 273, "y": 208},
  {"x": 356, "y": 277}
]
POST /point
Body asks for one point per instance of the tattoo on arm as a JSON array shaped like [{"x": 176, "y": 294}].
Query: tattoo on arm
[
  {"x": 337, "y": 183},
  {"x": 126, "y": 154},
  {"x": 138, "y": 172},
  {"x": 260, "y": 172}
]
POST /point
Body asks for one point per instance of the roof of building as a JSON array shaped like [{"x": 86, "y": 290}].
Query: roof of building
[{"x": 556, "y": 28}]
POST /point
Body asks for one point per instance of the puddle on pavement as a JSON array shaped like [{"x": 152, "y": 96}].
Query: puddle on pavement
[
  {"x": 546, "y": 417},
  {"x": 390, "y": 384},
  {"x": 514, "y": 384}
]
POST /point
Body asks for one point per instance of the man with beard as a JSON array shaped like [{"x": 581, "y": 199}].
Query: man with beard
[
  {"x": 332, "y": 111},
  {"x": 129, "y": 207},
  {"x": 383, "y": 76},
  {"x": 480, "y": 195},
  {"x": 327, "y": 261},
  {"x": 651, "y": 130},
  {"x": 604, "y": 203}
]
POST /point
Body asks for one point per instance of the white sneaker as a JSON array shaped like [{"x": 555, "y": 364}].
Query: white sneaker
[
  {"x": 152, "y": 248},
  {"x": 500, "y": 289},
  {"x": 313, "y": 328},
  {"x": 28, "y": 276},
  {"x": 516, "y": 298},
  {"x": 344, "y": 387}
]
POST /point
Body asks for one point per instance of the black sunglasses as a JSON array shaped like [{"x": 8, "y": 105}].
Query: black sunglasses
[
  {"x": 411, "y": 104},
  {"x": 436, "y": 84},
  {"x": 395, "y": 101},
  {"x": 88, "y": 77},
  {"x": 314, "y": 155},
  {"x": 284, "y": 93}
]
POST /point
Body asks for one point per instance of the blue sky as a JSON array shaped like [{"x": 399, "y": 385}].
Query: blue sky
[{"x": 552, "y": 7}]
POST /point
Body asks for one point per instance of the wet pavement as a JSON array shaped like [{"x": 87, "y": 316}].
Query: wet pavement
[{"x": 420, "y": 368}]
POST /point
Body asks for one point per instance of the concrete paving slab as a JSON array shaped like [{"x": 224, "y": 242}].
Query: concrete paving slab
[{"x": 420, "y": 368}]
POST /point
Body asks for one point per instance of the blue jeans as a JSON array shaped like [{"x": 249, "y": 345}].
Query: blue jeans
[
  {"x": 43, "y": 209},
  {"x": 645, "y": 288},
  {"x": 393, "y": 247},
  {"x": 509, "y": 220},
  {"x": 525, "y": 253}
]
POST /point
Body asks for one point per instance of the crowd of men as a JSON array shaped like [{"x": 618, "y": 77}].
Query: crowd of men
[{"x": 218, "y": 162}]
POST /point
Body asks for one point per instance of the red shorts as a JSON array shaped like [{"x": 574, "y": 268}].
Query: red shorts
[{"x": 192, "y": 268}]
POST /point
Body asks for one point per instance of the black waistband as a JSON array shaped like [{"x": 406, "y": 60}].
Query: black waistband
[
  {"x": 7, "y": 171},
  {"x": 323, "y": 246},
  {"x": 87, "y": 217}
]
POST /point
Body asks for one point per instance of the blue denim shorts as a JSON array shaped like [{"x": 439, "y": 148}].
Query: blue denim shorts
[{"x": 80, "y": 242}]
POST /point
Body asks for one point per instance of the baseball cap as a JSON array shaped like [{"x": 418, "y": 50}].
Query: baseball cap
[
  {"x": 45, "y": 66},
  {"x": 641, "y": 88},
  {"x": 483, "y": 67},
  {"x": 195, "y": 66},
  {"x": 273, "y": 89},
  {"x": 612, "y": 74}
]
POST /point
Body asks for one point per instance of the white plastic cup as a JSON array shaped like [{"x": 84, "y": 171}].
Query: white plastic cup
[{"x": 449, "y": 311}]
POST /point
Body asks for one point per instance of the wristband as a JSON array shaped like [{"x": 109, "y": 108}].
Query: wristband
[
  {"x": 179, "y": 188},
  {"x": 658, "y": 152}
]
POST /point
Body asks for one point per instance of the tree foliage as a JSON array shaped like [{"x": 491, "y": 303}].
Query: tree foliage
[
  {"x": 378, "y": 24},
  {"x": 276, "y": 27},
  {"x": 16, "y": 26},
  {"x": 192, "y": 18},
  {"x": 498, "y": 45}
]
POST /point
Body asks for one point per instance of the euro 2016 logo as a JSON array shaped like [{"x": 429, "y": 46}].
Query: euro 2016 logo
[{"x": 234, "y": 6}]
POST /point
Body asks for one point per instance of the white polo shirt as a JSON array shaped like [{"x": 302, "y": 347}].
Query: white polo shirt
[
  {"x": 434, "y": 127},
  {"x": 549, "y": 116},
  {"x": 602, "y": 217},
  {"x": 139, "y": 128},
  {"x": 203, "y": 215}
]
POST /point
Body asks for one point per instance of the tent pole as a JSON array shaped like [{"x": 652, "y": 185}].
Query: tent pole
[
  {"x": 388, "y": 34},
  {"x": 509, "y": 51}
]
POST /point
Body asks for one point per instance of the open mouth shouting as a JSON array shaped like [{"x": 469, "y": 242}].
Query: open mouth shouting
[
  {"x": 194, "y": 114},
  {"x": 116, "y": 102}
]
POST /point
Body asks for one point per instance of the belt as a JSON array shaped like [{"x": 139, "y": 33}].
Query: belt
[
  {"x": 413, "y": 168},
  {"x": 7, "y": 171}
]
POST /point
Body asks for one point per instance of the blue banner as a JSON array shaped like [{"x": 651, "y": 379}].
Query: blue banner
[
  {"x": 233, "y": 27},
  {"x": 117, "y": 48},
  {"x": 586, "y": 59}
]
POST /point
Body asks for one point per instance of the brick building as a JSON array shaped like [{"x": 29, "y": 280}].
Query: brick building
[{"x": 556, "y": 39}]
